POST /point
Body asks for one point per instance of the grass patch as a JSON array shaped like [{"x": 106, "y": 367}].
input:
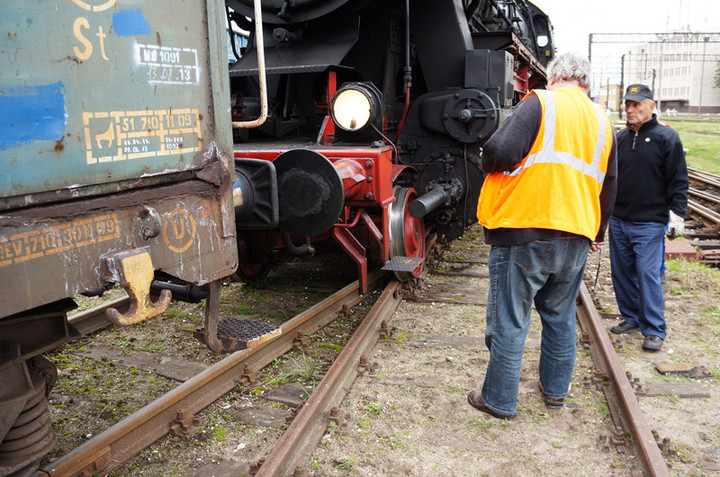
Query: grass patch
[
  {"x": 481, "y": 426},
  {"x": 713, "y": 312},
  {"x": 347, "y": 464},
  {"x": 703, "y": 150},
  {"x": 690, "y": 278}
]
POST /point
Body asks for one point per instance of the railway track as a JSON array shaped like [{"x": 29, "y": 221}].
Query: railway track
[
  {"x": 704, "y": 199},
  {"x": 178, "y": 408},
  {"x": 703, "y": 221},
  {"x": 295, "y": 451}
]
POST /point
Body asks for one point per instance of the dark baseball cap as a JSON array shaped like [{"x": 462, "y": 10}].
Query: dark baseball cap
[{"x": 638, "y": 92}]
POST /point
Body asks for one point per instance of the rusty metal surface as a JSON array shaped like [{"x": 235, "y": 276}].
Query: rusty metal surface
[
  {"x": 94, "y": 319},
  {"x": 236, "y": 334},
  {"x": 307, "y": 428},
  {"x": 121, "y": 139},
  {"x": 62, "y": 247},
  {"x": 624, "y": 407},
  {"x": 111, "y": 448}
]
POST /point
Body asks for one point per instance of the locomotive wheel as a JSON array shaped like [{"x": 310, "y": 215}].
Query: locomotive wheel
[
  {"x": 407, "y": 233},
  {"x": 249, "y": 270}
]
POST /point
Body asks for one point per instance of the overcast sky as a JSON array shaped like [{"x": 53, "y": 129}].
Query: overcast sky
[{"x": 574, "y": 21}]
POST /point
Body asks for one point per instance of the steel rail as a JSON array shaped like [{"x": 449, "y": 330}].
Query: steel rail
[
  {"x": 706, "y": 177},
  {"x": 623, "y": 404},
  {"x": 94, "y": 319},
  {"x": 704, "y": 195},
  {"x": 704, "y": 211},
  {"x": 136, "y": 432},
  {"x": 302, "y": 437}
]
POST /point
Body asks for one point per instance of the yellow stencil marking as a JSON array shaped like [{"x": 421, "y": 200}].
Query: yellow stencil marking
[
  {"x": 43, "y": 241},
  {"x": 128, "y": 135}
]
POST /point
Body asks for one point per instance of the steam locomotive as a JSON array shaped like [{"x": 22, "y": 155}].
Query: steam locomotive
[
  {"x": 377, "y": 111},
  {"x": 132, "y": 154}
]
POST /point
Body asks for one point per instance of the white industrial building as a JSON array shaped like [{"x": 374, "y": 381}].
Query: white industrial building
[{"x": 680, "y": 68}]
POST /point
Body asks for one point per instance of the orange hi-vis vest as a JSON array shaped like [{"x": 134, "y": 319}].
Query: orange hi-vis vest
[{"x": 557, "y": 185}]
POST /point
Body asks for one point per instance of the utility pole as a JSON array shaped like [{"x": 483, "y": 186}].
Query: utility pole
[
  {"x": 622, "y": 86},
  {"x": 702, "y": 74},
  {"x": 660, "y": 75},
  {"x": 607, "y": 93},
  {"x": 653, "y": 83}
]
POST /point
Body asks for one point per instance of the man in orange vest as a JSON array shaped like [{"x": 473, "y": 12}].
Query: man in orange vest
[{"x": 549, "y": 191}]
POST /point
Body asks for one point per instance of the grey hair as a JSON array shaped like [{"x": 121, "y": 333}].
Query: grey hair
[{"x": 570, "y": 66}]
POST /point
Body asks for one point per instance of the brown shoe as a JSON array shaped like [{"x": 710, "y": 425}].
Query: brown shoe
[
  {"x": 476, "y": 401},
  {"x": 551, "y": 402}
]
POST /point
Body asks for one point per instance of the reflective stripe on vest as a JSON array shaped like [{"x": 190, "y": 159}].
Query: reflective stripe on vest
[
  {"x": 561, "y": 192},
  {"x": 547, "y": 155}
]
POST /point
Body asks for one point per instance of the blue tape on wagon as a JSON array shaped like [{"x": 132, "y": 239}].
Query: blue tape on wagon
[
  {"x": 31, "y": 113},
  {"x": 130, "y": 22}
]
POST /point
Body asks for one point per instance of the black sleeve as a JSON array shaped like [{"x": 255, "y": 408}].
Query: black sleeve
[
  {"x": 676, "y": 176},
  {"x": 608, "y": 192},
  {"x": 513, "y": 140}
]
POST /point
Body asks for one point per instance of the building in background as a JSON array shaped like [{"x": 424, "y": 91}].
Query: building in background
[
  {"x": 609, "y": 97},
  {"x": 680, "y": 68}
]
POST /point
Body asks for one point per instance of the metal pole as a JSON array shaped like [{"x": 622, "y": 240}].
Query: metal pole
[
  {"x": 660, "y": 75},
  {"x": 607, "y": 93},
  {"x": 622, "y": 86},
  {"x": 702, "y": 75}
]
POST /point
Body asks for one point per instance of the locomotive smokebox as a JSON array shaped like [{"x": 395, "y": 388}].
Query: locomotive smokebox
[{"x": 310, "y": 192}]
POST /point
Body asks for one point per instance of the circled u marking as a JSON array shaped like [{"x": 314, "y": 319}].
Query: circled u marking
[{"x": 95, "y": 8}]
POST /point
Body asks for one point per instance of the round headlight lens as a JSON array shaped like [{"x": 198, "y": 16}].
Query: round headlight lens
[{"x": 351, "y": 109}]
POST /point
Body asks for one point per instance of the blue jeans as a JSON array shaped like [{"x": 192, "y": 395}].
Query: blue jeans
[
  {"x": 636, "y": 253},
  {"x": 548, "y": 272}
]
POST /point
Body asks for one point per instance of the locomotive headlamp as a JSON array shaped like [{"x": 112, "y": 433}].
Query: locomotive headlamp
[{"x": 355, "y": 106}]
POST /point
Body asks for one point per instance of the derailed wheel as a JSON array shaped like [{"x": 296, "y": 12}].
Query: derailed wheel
[{"x": 407, "y": 233}]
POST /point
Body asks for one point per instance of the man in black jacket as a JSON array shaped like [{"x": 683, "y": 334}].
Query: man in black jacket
[{"x": 652, "y": 187}]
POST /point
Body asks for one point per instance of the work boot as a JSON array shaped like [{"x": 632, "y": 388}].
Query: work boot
[
  {"x": 652, "y": 343},
  {"x": 624, "y": 327},
  {"x": 551, "y": 402}
]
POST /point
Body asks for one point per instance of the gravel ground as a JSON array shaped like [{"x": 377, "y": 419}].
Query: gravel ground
[{"x": 412, "y": 417}]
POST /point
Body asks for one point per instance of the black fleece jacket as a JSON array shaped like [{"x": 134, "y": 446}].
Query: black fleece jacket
[{"x": 652, "y": 174}]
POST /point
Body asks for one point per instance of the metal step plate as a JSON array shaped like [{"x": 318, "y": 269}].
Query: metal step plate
[
  {"x": 403, "y": 264},
  {"x": 238, "y": 334}
]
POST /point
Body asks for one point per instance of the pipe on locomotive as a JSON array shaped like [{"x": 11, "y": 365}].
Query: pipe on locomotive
[
  {"x": 407, "y": 77},
  {"x": 440, "y": 194},
  {"x": 257, "y": 5}
]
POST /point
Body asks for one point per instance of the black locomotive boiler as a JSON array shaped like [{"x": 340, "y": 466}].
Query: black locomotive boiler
[{"x": 377, "y": 112}]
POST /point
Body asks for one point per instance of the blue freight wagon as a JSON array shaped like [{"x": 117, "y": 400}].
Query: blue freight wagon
[{"x": 116, "y": 164}]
